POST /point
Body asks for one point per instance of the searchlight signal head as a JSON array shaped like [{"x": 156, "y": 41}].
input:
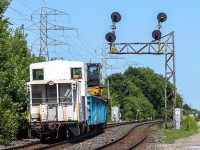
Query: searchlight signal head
[
  {"x": 162, "y": 17},
  {"x": 156, "y": 34},
  {"x": 110, "y": 37},
  {"x": 116, "y": 17}
]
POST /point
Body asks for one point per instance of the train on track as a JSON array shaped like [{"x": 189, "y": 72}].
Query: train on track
[{"x": 65, "y": 99}]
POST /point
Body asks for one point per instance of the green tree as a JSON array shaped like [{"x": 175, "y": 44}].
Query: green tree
[
  {"x": 187, "y": 107},
  {"x": 138, "y": 106},
  {"x": 141, "y": 84},
  {"x": 119, "y": 88},
  {"x": 151, "y": 85},
  {"x": 187, "y": 110},
  {"x": 15, "y": 59},
  {"x": 129, "y": 97},
  {"x": 3, "y": 6}
]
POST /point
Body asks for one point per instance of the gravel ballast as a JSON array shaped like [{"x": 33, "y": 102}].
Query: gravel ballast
[
  {"x": 19, "y": 143},
  {"x": 108, "y": 136}
]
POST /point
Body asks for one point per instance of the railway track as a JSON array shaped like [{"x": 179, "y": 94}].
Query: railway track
[
  {"x": 63, "y": 144},
  {"x": 132, "y": 140},
  {"x": 54, "y": 145},
  {"x": 120, "y": 123},
  {"x": 68, "y": 143}
]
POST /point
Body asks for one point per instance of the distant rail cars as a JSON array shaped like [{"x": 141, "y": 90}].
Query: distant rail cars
[{"x": 65, "y": 99}]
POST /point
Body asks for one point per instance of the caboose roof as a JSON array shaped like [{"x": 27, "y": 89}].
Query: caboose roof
[{"x": 56, "y": 63}]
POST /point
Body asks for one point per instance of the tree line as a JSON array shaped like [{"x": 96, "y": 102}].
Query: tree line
[{"x": 140, "y": 90}]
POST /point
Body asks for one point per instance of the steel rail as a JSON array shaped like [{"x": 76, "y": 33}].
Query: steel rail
[
  {"x": 71, "y": 141},
  {"x": 23, "y": 146},
  {"x": 142, "y": 140},
  {"x": 112, "y": 143}
]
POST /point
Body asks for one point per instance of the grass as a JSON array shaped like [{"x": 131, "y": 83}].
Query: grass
[
  {"x": 188, "y": 127},
  {"x": 172, "y": 135}
]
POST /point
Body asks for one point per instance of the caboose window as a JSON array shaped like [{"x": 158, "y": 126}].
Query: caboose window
[
  {"x": 76, "y": 73},
  {"x": 38, "y": 74}
]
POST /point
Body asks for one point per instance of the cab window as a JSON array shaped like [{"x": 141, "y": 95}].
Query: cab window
[
  {"x": 38, "y": 74},
  {"x": 76, "y": 73}
]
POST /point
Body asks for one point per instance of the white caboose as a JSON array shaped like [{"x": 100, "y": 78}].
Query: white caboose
[{"x": 58, "y": 94}]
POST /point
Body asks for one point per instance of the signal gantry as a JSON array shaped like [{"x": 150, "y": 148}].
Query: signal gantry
[{"x": 165, "y": 48}]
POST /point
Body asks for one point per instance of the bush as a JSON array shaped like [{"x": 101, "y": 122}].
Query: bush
[
  {"x": 188, "y": 127},
  {"x": 8, "y": 126},
  {"x": 8, "y": 121},
  {"x": 189, "y": 124}
]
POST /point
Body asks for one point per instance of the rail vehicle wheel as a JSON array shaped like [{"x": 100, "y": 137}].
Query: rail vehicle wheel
[
  {"x": 81, "y": 129},
  {"x": 102, "y": 126},
  {"x": 67, "y": 134},
  {"x": 43, "y": 138},
  {"x": 70, "y": 134},
  {"x": 95, "y": 127},
  {"x": 63, "y": 134},
  {"x": 54, "y": 137},
  {"x": 85, "y": 129}
]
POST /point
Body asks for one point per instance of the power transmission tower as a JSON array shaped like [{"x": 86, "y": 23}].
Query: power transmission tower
[
  {"x": 131, "y": 64},
  {"x": 104, "y": 62},
  {"x": 45, "y": 26}
]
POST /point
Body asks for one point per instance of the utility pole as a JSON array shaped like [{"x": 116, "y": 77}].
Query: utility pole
[{"x": 108, "y": 82}]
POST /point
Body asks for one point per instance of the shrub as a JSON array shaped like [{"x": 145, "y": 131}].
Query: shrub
[
  {"x": 189, "y": 124},
  {"x": 8, "y": 126},
  {"x": 8, "y": 121},
  {"x": 188, "y": 127}
]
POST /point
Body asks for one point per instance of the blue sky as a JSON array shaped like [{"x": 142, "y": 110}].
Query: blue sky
[{"x": 139, "y": 19}]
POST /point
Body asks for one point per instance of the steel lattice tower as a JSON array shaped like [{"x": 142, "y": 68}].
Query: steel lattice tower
[{"x": 45, "y": 26}]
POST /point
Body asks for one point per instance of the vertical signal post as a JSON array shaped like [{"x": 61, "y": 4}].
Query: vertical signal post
[
  {"x": 156, "y": 34},
  {"x": 110, "y": 36}
]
